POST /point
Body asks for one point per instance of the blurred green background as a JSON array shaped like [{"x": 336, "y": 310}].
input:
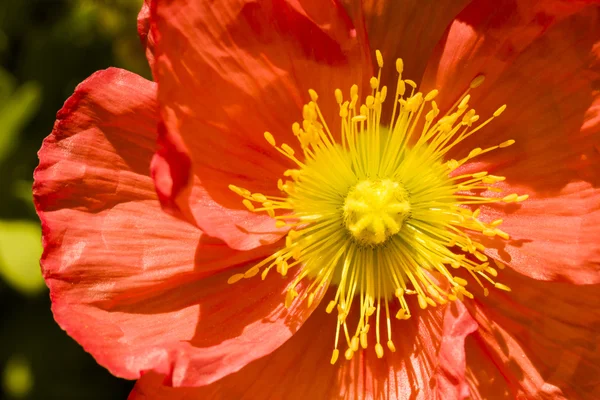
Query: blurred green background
[{"x": 46, "y": 48}]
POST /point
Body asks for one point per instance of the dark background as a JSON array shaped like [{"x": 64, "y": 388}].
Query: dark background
[{"x": 46, "y": 48}]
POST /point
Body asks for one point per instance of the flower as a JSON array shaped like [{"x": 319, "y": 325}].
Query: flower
[{"x": 175, "y": 298}]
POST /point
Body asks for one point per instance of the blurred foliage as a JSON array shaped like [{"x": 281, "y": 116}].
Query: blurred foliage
[{"x": 46, "y": 48}]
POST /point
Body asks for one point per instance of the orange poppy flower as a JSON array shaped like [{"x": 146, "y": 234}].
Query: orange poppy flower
[{"x": 427, "y": 250}]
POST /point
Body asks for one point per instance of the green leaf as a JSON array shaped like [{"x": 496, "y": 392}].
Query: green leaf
[
  {"x": 17, "y": 378},
  {"x": 15, "y": 113},
  {"x": 20, "y": 252}
]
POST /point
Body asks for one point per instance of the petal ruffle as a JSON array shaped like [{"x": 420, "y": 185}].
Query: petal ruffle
[
  {"x": 137, "y": 288},
  {"x": 554, "y": 238},
  {"x": 300, "y": 369},
  {"x": 227, "y": 73},
  {"x": 404, "y": 29},
  {"x": 145, "y": 32},
  {"x": 538, "y": 342},
  {"x": 541, "y": 59}
]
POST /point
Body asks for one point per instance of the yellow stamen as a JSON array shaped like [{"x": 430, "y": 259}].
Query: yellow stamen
[{"x": 375, "y": 209}]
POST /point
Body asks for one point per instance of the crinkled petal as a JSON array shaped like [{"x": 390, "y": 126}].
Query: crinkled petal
[
  {"x": 137, "y": 288},
  {"x": 539, "y": 341},
  {"x": 451, "y": 381},
  {"x": 541, "y": 59},
  {"x": 145, "y": 32},
  {"x": 404, "y": 29},
  {"x": 300, "y": 369},
  {"x": 554, "y": 238},
  {"x": 228, "y": 72}
]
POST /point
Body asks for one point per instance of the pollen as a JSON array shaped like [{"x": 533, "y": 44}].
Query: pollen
[{"x": 377, "y": 210}]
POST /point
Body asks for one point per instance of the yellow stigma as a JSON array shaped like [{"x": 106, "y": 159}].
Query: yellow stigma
[
  {"x": 379, "y": 212},
  {"x": 375, "y": 210}
]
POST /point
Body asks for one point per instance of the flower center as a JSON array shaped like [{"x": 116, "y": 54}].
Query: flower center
[
  {"x": 375, "y": 210},
  {"x": 379, "y": 212}
]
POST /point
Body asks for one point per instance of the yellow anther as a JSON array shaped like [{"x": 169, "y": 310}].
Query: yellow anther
[
  {"x": 263, "y": 275},
  {"x": 475, "y": 152},
  {"x": 499, "y": 111},
  {"x": 460, "y": 281},
  {"x": 432, "y": 95},
  {"x": 338, "y": 96},
  {"x": 334, "y": 356},
  {"x": 489, "y": 232},
  {"x": 506, "y": 144},
  {"x": 363, "y": 340},
  {"x": 259, "y": 197},
  {"x": 330, "y": 307},
  {"x": 269, "y": 138},
  {"x": 349, "y": 354},
  {"x": 493, "y": 179},
  {"x": 502, "y": 234},
  {"x": 399, "y": 65},
  {"x": 510, "y": 198},
  {"x": 522, "y": 198},
  {"x": 379, "y": 350},
  {"x": 465, "y": 100},
  {"x": 383, "y": 94},
  {"x": 411, "y": 83},
  {"x": 480, "y": 256},
  {"x": 236, "y": 190},
  {"x": 502, "y": 287},
  {"x": 379, "y": 58},
  {"x": 287, "y": 149},
  {"x": 391, "y": 346},
  {"x": 313, "y": 95},
  {"x": 373, "y": 82},
  {"x": 248, "y": 204},
  {"x": 430, "y": 301},
  {"x": 499, "y": 264},
  {"x": 422, "y": 301},
  {"x": 235, "y": 278},
  {"x": 401, "y": 88},
  {"x": 354, "y": 344},
  {"x": 477, "y": 81}
]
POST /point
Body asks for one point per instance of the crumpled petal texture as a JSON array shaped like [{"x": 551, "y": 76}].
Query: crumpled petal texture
[
  {"x": 246, "y": 68},
  {"x": 145, "y": 291},
  {"x": 137, "y": 288},
  {"x": 429, "y": 356},
  {"x": 540, "y": 341}
]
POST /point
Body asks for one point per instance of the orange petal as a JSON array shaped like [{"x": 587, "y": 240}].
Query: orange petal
[
  {"x": 542, "y": 60},
  {"x": 228, "y": 72},
  {"x": 552, "y": 237},
  {"x": 301, "y": 368},
  {"x": 145, "y": 33},
  {"x": 538, "y": 341},
  {"x": 404, "y": 29},
  {"x": 131, "y": 284}
]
